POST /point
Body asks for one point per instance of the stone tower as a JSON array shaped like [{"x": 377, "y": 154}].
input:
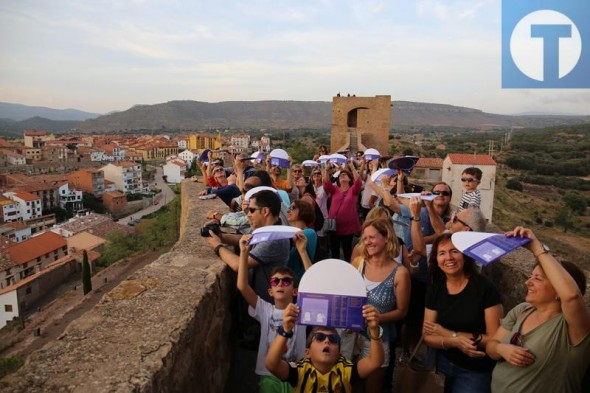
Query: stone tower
[{"x": 359, "y": 123}]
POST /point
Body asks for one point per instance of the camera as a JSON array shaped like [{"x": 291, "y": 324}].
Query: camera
[{"x": 211, "y": 226}]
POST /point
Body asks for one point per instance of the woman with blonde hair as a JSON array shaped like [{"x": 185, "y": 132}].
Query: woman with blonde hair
[{"x": 388, "y": 287}]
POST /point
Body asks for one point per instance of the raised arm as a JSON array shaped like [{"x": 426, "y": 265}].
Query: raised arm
[
  {"x": 274, "y": 362},
  {"x": 376, "y": 356},
  {"x": 243, "y": 285},
  {"x": 301, "y": 244},
  {"x": 419, "y": 245},
  {"x": 574, "y": 309}
]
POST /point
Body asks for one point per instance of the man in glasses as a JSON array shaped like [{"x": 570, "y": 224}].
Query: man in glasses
[
  {"x": 263, "y": 209},
  {"x": 282, "y": 288},
  {"x": 324, "y": 369}
]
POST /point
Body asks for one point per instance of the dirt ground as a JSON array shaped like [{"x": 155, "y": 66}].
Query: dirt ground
[{"x": 68, "y": 303}]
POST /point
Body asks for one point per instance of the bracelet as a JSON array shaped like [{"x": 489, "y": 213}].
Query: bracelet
[
  {"x": 217, "y": 248},
  {"x": 379, "y": 335},
  {"x": 281, "y": 332},
  {"x": 442, "y": 343},
  {"x": 416, "y": 266},
  {"x": 541, "y": 253}
]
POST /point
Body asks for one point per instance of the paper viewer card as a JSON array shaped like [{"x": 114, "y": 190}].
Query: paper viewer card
[
  {"x": 330, "y": 302},
  {"x": 489, "y": 248}
]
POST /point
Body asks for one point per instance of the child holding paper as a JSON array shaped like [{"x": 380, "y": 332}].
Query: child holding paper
[
  {"x": 323, "y": 368},
  {"x": 282, "y": 290}
]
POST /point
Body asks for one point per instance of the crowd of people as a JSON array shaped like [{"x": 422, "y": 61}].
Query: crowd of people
[{"x": 419, "y": 284}]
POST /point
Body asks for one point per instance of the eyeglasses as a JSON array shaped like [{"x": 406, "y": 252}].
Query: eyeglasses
[
  {"x": 292, "y": 207},
  {"x": 455, "y": 219},
  {"x": 286, "y": 281},
  {"x": 297, "y": 170},
  {"x": 516, "y": 339},
  {"x": 333, "y": 338},
  {"x": 443, "y": 193},
  {"x": 317, "y": 173},
  {"x": 253, "y": 209},
  {"x": 469, "y": 180}
]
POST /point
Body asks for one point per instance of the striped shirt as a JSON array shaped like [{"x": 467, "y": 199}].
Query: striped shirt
[{"x": 470, "y": 199}]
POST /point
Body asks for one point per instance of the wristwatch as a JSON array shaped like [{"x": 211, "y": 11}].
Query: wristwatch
[
  {"x": 378, "y": 335},
  {"x": 416, "y": 218},
  {"x": 455, "y": 334},
  {"x": 282, "y": 332}
]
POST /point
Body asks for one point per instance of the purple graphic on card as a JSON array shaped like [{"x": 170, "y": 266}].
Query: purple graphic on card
[{"x": 336, "y": 311}]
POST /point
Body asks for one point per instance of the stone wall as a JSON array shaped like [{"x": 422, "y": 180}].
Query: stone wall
[{"x": 164, "y": 329}]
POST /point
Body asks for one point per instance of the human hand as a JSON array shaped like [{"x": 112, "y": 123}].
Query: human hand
[
  {"x": 434, "y": 329},
  {"x": 415, "y": 206},
  {"x": 300, "y": 241},
  {"x": 290, "y": 317},
  {"x": 203, "y": 193},
  {"x": 525, "y": 232},
  {"x": 244, "y": 240},
  {"x": 213, "y": 240},
  {"x": 467, "y": 346},
  {"x": 210, "y": 215},
  {"x": 371, "y": 315},
  {"x": 515, "y": 355}
]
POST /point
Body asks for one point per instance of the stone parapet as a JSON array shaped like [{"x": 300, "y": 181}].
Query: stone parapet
[{"x": 164, "y": 329}]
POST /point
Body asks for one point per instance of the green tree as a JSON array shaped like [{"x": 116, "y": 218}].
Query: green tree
[
  {"x": 565, "y": 218},
  {"x": 576, "y": 202},
  {"x": 86, "y": 276},
  {"x": 514, "y": 184}
]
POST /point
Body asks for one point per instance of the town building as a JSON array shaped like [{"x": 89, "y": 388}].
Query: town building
[
  {"x": 29, "y": 204},
  {"x": 10, "y": 210},
  {"x": 90, "y": 181},
  {"x": 114, "y": 202},
  {"x": 37, "y": 138},
  {"x": 455, "y": 164},
  {"x": 428, "y": 170},
  {"x": 125, "y": 175},
  {"x": 12, "y": 158},
  {"x": 16, "y": 231},
  {"x": 174, "y": 171}
]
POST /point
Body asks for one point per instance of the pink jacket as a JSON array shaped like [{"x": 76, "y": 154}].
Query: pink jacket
[{"x": 343, "y": 207}]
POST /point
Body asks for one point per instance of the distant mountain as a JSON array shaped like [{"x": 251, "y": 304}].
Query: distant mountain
[
  {"x": 18, "y": 112},
  {"x": 195, "y": 115}
]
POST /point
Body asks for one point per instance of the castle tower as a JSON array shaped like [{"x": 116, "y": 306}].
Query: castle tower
[{"x": 359, "y": 123}]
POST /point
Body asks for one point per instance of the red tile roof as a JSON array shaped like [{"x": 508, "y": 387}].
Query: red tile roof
[
  {"x": 471, "y": 159},
  {"x": 35, "y": 247},
  {"x": 35, "y": 133},
  {"x": 424, "y": 162},
  {"x": 27, "y": 197}
]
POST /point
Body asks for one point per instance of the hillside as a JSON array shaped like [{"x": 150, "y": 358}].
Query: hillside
[
  {"x": 186, "y": 115},
  {"x": 18, "y": 112}
]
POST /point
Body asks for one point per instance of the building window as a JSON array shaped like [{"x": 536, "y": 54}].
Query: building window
[
  {"x": 8, "y": 308},
  {"x": 28, "y": 291}
]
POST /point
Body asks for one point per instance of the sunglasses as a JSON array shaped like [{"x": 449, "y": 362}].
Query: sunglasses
[
  {"x": 253, "y": 209},
  {"x": 297, "y": 170},
  {"x": 443, "y": 193},
  {"x": 292, "y": 207},
  {"x": 333, "y": 338},
  {"x": 516, "y": 339},
  {"x": 469, "y": 180},
  {"x": 457, "y": 219},
  {"x": 286, "y": 281}
]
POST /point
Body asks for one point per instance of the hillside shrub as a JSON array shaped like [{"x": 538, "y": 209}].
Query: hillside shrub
[{"x": 514, "y": 184}]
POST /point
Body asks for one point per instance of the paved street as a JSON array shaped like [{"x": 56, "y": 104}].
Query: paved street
[{"x": 161, "y": 199}]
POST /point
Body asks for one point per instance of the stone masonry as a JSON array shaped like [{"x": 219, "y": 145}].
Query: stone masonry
[{"x": 359, "y": 123}]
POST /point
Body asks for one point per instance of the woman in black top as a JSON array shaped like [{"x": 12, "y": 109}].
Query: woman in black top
[{"x": 463, "y": 310}]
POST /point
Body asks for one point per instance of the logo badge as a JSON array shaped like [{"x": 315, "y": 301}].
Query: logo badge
[{"x": 545, "y": 44}]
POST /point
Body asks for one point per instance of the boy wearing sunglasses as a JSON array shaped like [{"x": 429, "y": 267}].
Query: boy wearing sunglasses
[
  {"x": 323, "y": 369},
  {"x": 470, "y": 178},
  {"x": 282, "y": 290}
]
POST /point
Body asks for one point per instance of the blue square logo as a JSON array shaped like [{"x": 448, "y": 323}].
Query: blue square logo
[{"x": 546, "y": 44}]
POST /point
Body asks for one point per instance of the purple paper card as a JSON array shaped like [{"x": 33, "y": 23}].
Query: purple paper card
[
  {"x": 494, "y": 247},
  {"x": 338, "y": 311}
]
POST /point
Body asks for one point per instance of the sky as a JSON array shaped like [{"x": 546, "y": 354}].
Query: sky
[{"x": 106, "y": 55}]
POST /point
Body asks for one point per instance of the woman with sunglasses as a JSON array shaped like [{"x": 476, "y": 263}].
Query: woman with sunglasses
[
  {"x": 301, "y": 215},
  {"x": 544, "y": 343},
  {"x": 462, "y": 313},
  {"x": 388, "y": 287}
]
